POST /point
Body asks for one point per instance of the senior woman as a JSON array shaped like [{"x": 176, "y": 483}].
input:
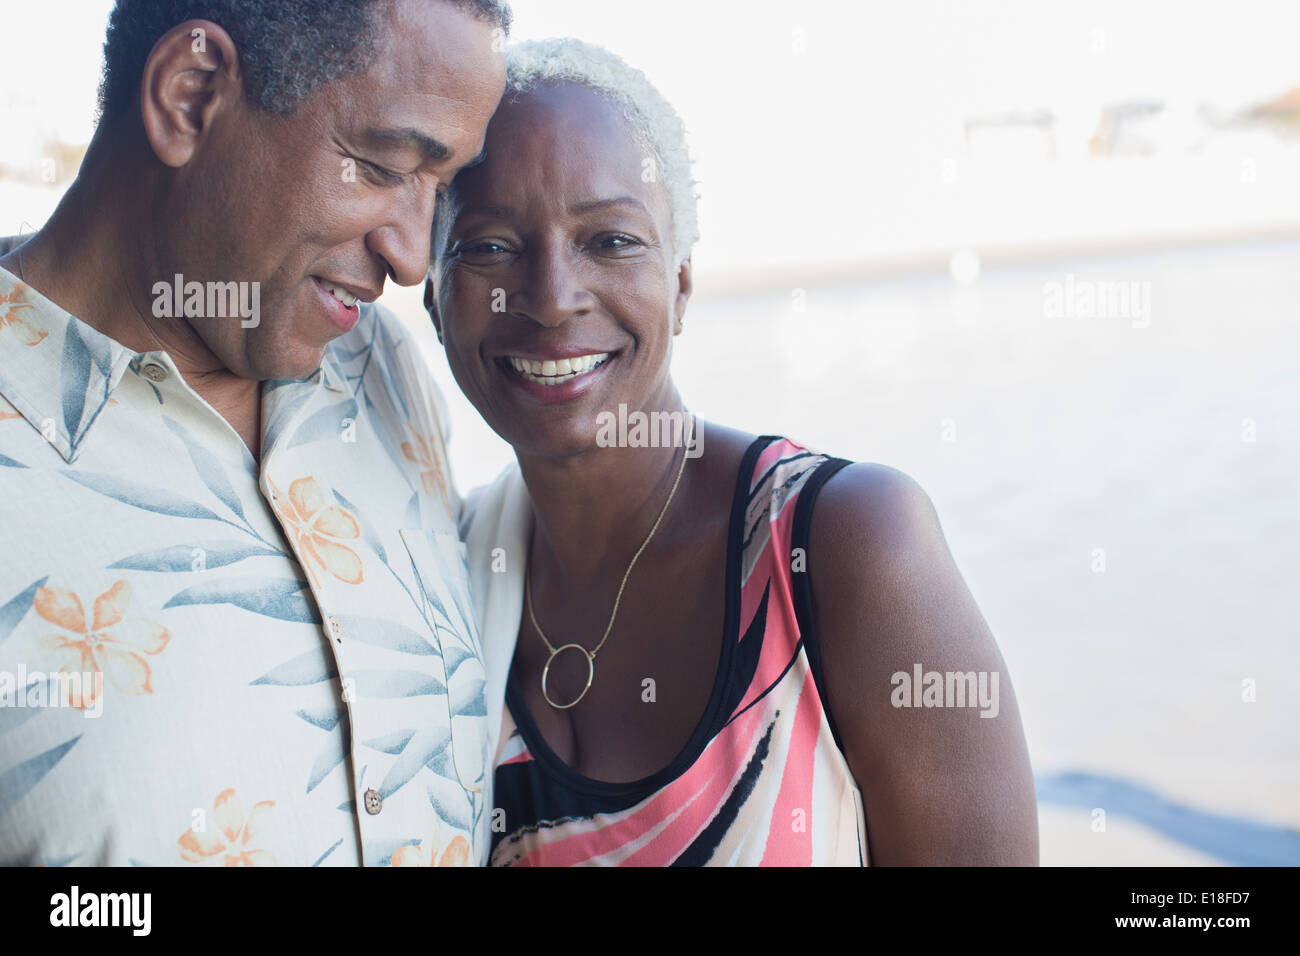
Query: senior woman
[{"x": 700, "y": 666}]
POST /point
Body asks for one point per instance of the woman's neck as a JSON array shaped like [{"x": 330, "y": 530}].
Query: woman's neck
[{"x": 592, "y": 511}]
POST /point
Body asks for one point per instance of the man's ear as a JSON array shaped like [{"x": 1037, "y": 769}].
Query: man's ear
[
  {"x": 431, "y": 305},
  {"x": 192, "y": 72},
  {"x": 685, "y": 286}
]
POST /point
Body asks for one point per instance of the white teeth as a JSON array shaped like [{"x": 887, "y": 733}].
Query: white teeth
[
  {"x": 343, "y": 295},
  {"x": 548, "y": 372}
]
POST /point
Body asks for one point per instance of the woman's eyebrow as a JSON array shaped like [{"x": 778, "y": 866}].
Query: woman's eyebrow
[{"x": 594, "y": 204}]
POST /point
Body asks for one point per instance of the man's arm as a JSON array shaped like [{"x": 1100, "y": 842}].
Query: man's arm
[{"x": 940, "y": 785}]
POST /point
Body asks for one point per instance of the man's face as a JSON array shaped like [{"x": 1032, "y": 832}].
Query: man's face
[{"x": 340, "y": 193}]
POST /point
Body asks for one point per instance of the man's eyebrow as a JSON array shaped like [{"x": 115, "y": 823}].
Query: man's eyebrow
[
  {"x": 408, "y": 137},
  {"x": 594, "y": 204}
]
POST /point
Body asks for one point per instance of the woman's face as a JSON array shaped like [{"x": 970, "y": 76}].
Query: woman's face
[{"x": 560, "y": 252}]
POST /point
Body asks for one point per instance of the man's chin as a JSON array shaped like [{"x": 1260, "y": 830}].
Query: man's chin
[{"x": 304, "y": 363}]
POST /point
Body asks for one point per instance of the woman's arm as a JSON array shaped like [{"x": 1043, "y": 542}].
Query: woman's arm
[{"x": 941, "y": 785}]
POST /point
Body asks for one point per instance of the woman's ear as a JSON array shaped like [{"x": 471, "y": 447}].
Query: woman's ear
[
  {"x": 431, "y": 306},
  {"x": 685, "y": 285}
]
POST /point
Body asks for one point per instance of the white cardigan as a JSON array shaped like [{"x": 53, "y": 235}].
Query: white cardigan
[{"x": 494, "y": 524}]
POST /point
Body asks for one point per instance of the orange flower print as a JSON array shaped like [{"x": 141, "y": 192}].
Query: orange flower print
[
  {"x": 110, "y": 647},
  {"x": 235, "y": 837},
  {"x": 7, "y": 411},
  {"x": 456, "y": 853},
  {"x": 12, "y": 304},
  {"x": 424, "y": 454},
  {"x": 314, "y": 526}
]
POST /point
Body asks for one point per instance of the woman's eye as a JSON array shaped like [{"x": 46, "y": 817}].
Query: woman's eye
[
  {"x": 616, "y": 242},
  {"x": 481, "y": 249}
]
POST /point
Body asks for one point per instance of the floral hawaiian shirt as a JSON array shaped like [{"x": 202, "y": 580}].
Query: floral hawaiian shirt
[{"x": 206, "y": 659}]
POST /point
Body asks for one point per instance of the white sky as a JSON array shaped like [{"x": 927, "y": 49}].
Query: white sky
[{"x": 852, "y": 148}]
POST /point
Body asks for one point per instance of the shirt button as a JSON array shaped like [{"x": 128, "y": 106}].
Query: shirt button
[
  {"x": 336, "y": 628},
  {"x": 154, "y": 372},
  {"x": 373, "y": 802}
]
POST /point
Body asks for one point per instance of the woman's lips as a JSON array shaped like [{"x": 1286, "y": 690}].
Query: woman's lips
[{"x": 553, "y": 381}]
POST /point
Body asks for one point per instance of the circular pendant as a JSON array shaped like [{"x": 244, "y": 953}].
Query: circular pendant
[{"x": 591, "y": 673}]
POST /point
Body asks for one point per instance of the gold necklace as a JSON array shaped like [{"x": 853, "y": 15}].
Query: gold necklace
[{"x": 590, "y": 655}]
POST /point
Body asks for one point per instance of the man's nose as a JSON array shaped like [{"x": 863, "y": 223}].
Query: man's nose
[
  {"x": 403, "y": 242},
  {"x": 553, "y": 290}
]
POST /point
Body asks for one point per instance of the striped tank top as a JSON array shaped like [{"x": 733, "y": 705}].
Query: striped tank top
[{"x": 763, "y": 780}]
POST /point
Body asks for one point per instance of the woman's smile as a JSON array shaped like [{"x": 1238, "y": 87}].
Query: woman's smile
[{"x": 557, "y": 376}]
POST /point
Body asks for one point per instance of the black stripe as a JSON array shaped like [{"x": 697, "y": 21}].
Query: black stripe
[{"x": 706, "y": 844}]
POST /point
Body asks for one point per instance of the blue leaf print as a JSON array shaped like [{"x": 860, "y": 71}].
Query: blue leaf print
[
  {"x": 180, "y": 558},
  {"x": 422, "y": 748},
  {"x": 453, "y": 656},
  {"x": 310, "y": 668},
  {"x": 326, "y": 423},
  {"x": 380, "y": 852},
  {"x": 283, "y": 600},
  {"x": 391, "y": 684},
  {"x": 386, "y": 634},
  {"x": 209, "y": 468},
  {"x": 393, "y": 743},
  {"x": 390, "y": 346},
  {"x": 466, "y": 699},
  {"x": 344, "y": 356},
  {"x": 391, "y": 444},
  {"x": 321, "y": 859},
  {"x": 7, "y": 462},
  {"x": 367, "y": 532},
  {"x": 15, "y": 609},
  {"x": 145, "y": 497},
  {"x": 76, "y": 381},
  {"x": 413, "y": 512},
  {"x": 329, "y": 758},
  {"x": 17, "y": 781},
  {"x": 448, "y": 800},
  {"x": 326, "y": 718},
  {"x": 14, "y": 717}
]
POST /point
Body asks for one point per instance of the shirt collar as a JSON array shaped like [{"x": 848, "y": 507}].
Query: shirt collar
[{"x": 59, "y": 373}]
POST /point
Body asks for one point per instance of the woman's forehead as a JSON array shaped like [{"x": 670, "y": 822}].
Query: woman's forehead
[{"x": 568, "y": 137}]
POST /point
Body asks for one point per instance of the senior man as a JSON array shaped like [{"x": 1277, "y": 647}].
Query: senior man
[{"x": 234, "y": 613}]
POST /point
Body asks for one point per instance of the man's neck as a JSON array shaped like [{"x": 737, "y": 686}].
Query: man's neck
[{"x": 89, "y": 263}]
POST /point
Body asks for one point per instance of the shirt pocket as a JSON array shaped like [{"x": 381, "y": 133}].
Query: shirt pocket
[{"x": 440, "y": 565}]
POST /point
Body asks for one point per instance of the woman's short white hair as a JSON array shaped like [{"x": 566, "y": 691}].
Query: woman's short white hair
[{"x": 654, "y": 121}]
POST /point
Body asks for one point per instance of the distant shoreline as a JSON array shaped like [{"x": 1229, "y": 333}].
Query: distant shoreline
[{"x": 725, "y": 283}]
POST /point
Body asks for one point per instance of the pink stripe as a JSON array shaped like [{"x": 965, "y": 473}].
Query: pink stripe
[
  {"x": 678, "y": 835},
  {"x": 781, "y": 636},
  {"x": 697, "y": 794},
  {"x": 785, "y": 846}
]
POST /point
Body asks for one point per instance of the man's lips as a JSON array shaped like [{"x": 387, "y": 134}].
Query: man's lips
[{"x": 345, "y": 316}]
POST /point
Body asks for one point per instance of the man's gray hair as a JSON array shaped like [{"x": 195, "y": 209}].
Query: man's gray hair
[
  {"x": 287, "y": 48},
  {"x": 654, "y": 122}
]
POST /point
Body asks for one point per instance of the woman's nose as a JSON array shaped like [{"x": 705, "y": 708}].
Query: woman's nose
[{"x": 553, "y": 290}]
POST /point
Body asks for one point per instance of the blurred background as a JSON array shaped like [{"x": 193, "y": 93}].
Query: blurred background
[{"x": 1045, "y": 258}]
